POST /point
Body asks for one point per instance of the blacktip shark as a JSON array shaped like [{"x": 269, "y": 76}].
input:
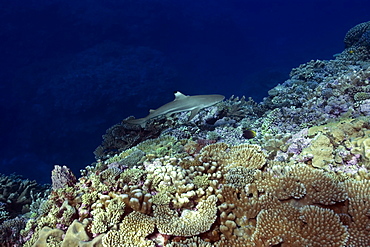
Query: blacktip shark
[{"x": 179, "y": 104}]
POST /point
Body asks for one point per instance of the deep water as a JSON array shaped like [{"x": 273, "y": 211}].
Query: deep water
[{"x": 71, "y": 69}]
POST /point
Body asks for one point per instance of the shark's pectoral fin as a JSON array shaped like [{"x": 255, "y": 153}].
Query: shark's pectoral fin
[
  {"x": 193, "y": 113},
  {"x": 139, "y": 121}
]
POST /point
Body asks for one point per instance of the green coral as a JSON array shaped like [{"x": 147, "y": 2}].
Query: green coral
[
  {"x": 361, "y": 96},
  {"x": 110, "y": 174},
  {"x": 106, "y": 218},
  {"x": 212, "y": 135},
  {"x": 161, "y": 198},
  {"x": 128, "y": 158},
  {"x": 201, "y": 181},
  {"x": 162, "y": 146},
  {"x": 132, "y": 176},
  {"x": 89, "y": 198},
  {"x": 240, "y": 176}
]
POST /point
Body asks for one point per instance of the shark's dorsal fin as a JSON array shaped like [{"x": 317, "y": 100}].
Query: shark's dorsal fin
[{"x": 179, "y": 95}]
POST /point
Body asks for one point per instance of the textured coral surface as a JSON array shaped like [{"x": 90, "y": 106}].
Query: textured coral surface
[{"x": 222, "y": 196}]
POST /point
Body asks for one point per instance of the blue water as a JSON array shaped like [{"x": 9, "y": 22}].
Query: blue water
[{"x": 71, "y": 69}]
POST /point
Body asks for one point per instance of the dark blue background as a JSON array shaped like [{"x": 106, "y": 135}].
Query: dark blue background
[{"x": 71, "y": 69}]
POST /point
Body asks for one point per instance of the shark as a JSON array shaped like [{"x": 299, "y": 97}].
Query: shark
[{"x": 181, "y": 103}]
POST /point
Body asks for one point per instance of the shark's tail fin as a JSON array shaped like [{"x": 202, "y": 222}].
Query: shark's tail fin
[{"x": 139, "y": 121}]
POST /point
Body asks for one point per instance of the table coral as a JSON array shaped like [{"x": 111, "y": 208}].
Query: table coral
[
  {"x": 308, "y": 226},
  {"x": 191, "y": 222},
  {"x": 358, "y": 209},
  {"x": 132, "y": 232},
  {"x": 218, "y": 158},
  {"x": 193, "y": 242}
]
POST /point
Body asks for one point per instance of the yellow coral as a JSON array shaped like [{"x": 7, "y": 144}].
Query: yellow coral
[
  {"x": 301, "y": 181},
  {"x": 358, "y": 209},
  {"x": 190, "y": 223},
  {"x": 321, "y": 151},
  {"x": 245, "y": 155},
  {"x": 132, "y": 232},
  {"x": 105, "y": 218},
  {"x": 193, "y": 242},
  {"x": 308, "y": 226}
]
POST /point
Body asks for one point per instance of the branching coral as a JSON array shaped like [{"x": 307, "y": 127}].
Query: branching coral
[
  {"x": 17, "y": 194},
  {"x": 10, "y": 232},
  {"x": 268, "y": 204},
  {"x": 107, "y": 214}
]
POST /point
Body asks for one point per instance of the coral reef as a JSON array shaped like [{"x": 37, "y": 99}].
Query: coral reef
[
  {"x": 303, "y": 180},
  {"x": 225, "y": 195}
]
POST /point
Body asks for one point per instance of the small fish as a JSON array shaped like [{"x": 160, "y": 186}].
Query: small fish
[
  {"x": 249, "y": 134},
  {"x": 179, "y": 104}
]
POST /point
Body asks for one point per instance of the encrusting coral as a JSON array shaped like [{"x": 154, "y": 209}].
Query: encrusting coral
[{"x": 303, "y": 180}]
